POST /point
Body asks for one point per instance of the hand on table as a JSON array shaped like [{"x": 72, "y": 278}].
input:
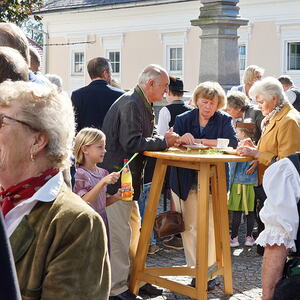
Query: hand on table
[
  {"x": 247, "y": 151},
  {"x": 246, "y": 142},
  {"x": 187, "y": 139},
  {"x": 171, "y": 137}
]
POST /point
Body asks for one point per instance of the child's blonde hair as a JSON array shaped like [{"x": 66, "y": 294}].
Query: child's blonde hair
[{"x": 86, "y": 137}]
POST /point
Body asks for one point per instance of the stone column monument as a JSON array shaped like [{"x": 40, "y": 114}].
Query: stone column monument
[{"x": 219, "y": 60}]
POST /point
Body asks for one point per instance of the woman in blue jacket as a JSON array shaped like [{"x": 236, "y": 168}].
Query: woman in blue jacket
[{"x": 204, "y": 124}]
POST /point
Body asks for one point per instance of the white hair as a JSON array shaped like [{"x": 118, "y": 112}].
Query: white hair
[
  {"x": 151, "y": 72},
  {"x": 55, "y": 79},
  {"x": 268, "y": 88},
  {"x": 47, "y": 111}
]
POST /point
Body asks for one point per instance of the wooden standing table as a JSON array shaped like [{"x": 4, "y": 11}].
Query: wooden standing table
[{"x": 211, "y": 171}]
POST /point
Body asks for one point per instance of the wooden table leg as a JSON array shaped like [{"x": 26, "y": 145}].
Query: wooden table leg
[
  {"x": 222, "y": 200},
  {"x": 202, "y": 231},
  {"x": 147, "y": 227},
  {"x": 216, "y": 214}
]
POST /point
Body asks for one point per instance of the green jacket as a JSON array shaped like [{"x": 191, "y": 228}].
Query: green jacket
[{"x": 60, "y": 251}]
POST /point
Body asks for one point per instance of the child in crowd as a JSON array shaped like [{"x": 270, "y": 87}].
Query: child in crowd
[
  {"x": 90, "y": 180},
  {"x": 241, "y": 198}
]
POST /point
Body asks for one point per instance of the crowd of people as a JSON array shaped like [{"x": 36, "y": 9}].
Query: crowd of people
[{"x": 65, "y": 231}]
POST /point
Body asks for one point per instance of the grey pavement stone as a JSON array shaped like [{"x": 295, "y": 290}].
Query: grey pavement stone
[{"x": 246, "y": 268}]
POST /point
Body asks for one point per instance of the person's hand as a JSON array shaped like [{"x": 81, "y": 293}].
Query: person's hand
[
  {"x": 247, "y": 151},
  {"x": 112, "y": 178},
  {"x": 171, "y": 137},
  {"x": 114, "y": 198},
  {"x": 118, "y": 195},
  {"x": 253, "y": 166},
  {"x": 246, "y": 142},
  {"x": 187, "y": 139}
]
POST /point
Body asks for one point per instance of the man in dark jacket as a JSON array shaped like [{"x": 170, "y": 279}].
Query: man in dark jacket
[
  {"x": 92, "y": 102},
  {"x": 128, "y": 126}
]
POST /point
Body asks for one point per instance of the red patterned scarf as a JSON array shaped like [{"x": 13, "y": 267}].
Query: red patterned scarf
[{"x": 24, "y": 190}]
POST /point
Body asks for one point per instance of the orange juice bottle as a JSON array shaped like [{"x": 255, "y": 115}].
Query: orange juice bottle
[{"x": 126, "y": 183}]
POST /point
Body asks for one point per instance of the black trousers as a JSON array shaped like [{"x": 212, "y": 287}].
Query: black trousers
[{"x": 260, "y": 197}]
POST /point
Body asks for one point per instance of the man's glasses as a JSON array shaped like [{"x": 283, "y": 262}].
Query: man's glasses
[{"x": 3, "y": 116}]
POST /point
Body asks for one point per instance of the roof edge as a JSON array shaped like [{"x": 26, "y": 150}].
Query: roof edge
[{"x": 110, "y": 6}]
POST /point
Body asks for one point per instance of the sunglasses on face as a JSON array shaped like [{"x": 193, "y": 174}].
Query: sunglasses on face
[{"x": 3, "y": 116}]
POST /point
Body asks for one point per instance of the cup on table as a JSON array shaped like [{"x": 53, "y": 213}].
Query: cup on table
[{"x": 222, "y": 143}]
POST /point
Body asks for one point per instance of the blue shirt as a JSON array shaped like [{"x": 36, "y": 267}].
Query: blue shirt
[{"x": 219, "y": 126}]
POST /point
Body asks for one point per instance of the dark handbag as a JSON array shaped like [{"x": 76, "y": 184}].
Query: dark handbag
[
  {"x": 260, "y": 197},
  {"x": 168, "y": 223}
]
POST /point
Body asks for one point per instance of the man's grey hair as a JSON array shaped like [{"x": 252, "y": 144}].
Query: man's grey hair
[
  {"x": 47, "y": 111},
  {"x": 268, "y": 88},
  {"x": 151, "y": 72}
]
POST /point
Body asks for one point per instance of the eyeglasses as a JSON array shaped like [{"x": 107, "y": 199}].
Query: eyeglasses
[{"x": 3, "y": 116}]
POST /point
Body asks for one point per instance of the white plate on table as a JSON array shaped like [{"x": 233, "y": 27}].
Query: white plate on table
[
  {"x": 196, "y": 146},
  {"x": 228, "y": 150}
]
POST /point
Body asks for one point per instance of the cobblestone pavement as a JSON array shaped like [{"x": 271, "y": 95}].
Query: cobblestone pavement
[{"x": 246, "y": 273}]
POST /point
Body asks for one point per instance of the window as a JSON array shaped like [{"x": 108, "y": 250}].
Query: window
[
  {"x": 78, "y": 63},
  {"x": 114, "y": 57},
  {"x": 175, "y": 60},
  {"x": 293, "y": 56},
  {"x": 242, "y": 57},
  {"x": 173, "y": 55}
]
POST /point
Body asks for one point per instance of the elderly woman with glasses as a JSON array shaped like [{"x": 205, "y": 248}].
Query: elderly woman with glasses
[
  {"x": 280, "y": 133},
  {"x": 58, "y": 241}
]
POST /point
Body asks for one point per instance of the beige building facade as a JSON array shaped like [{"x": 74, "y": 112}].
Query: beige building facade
[{"x": 138, "y": 33}]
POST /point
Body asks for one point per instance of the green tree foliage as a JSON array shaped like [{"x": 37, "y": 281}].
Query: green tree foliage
[
  {"x": 16, "y": 11},
  {"x": 33, "y": 29}
]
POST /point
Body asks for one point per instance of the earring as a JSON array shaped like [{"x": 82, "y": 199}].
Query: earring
[{"x": 32, "y": 157}]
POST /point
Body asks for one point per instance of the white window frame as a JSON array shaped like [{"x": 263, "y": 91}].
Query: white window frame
[
  {"x": 73, "y": 72},
  {"x": 245, "y": 57},
  {"x": 113, "y": 43},
  {"x": 287, "y": 56},
  {"x": 176, "y": 73},
  {"x": 108, "y": 51},
  {"x": 174, "y": 39},
  {"x": 288, "y": 32},
  {"x": 244, "y": 33}
]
